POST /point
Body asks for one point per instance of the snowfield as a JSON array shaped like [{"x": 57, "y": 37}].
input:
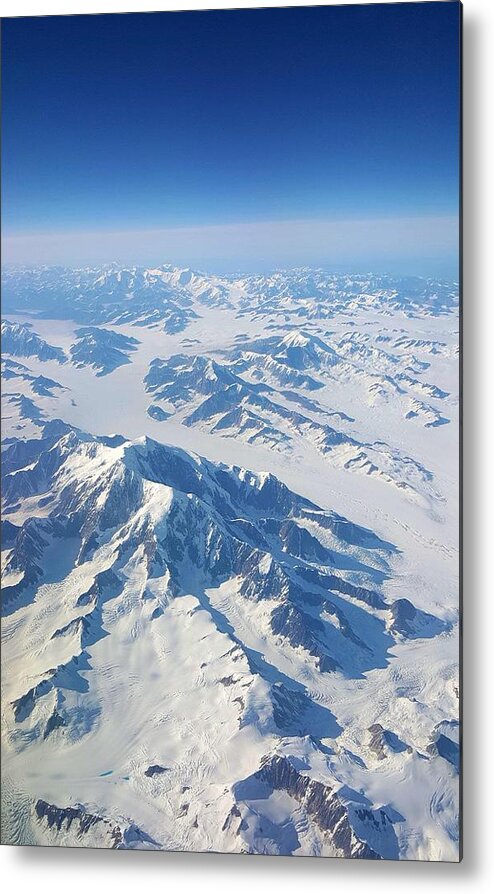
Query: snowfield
[{"x": 230, "y": 567}]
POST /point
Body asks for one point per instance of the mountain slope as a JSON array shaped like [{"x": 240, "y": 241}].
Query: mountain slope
[{"x": 228, "y": 586}]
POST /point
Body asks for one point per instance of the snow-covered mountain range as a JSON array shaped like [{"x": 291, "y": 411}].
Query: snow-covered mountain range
[
  {"x": 230, "y": 562},
  {"x": 171, "y": 297}
]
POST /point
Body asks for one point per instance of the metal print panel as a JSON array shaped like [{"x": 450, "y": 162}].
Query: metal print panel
[{"x": 230, "y": 455}]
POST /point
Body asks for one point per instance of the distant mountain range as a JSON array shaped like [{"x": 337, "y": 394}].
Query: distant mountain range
[{"x": 163, "y": 296}]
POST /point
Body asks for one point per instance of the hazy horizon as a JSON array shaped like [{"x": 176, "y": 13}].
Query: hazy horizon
[
  {"x": 332, "y": 245},
  {"x": 241, "y": 139}
]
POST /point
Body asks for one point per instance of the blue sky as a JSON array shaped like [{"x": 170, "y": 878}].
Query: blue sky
[{"x": 132, "y": 132}]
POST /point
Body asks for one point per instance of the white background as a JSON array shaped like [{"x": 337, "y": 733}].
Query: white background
[{"x": 75, "y": 871}]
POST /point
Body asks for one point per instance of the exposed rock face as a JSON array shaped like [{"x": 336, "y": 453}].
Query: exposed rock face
[
  {"x": 57, "y": 816},
  {"x": 102, "y": 349},
  {"x": 157, "y": 413},
  {"x": 77, "y": 824},
  {"x": 154, "y": 770},
  {"x": 446, "y": 744},
  {"x": 54, "y": 722},
  {"x": 27, "y": 547},
  {"x": 9, "y": 533},
  {"x": 339, "y": 585},
  {"x": 302, "y": 630},
  {"x": 320, "y": 802},
  {"x": 41, "y": 385},
  {"x": 384, "y": 742},
  {"x": 410, "y": 622},
  {"x": 20, "y": 340}
]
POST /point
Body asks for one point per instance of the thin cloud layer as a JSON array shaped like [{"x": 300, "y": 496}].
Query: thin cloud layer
[{"x": 393, "y": 243}]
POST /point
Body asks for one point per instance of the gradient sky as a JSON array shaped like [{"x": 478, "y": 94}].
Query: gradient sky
[{"x": 128, "y": 133}]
